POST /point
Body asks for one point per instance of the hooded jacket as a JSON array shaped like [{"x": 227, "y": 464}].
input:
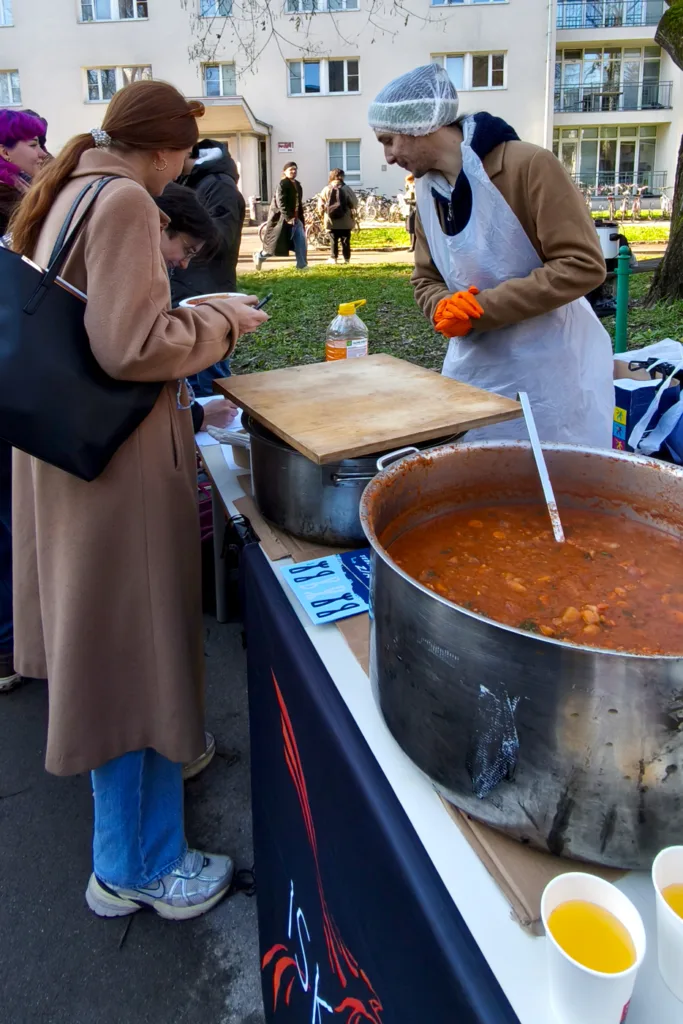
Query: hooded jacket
[{"x": 214, "y": 179}]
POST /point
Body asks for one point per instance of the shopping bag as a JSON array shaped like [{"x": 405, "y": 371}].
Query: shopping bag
[{"x": 647, "y": 411}]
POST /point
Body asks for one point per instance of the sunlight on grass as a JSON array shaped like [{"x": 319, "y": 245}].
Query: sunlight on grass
[{"x": 304, "y": 304}]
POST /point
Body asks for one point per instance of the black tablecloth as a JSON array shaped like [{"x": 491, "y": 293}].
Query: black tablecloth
[{"x": 355, "y": 924}]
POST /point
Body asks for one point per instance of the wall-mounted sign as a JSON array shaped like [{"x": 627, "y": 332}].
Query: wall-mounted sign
[{"x": 285, "y": 147}]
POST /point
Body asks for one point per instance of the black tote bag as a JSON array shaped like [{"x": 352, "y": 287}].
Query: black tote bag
[{"x": 56, "y": 401}]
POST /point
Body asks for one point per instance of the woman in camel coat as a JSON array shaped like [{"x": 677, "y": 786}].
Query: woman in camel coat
[{"x": 107, "y": 586}]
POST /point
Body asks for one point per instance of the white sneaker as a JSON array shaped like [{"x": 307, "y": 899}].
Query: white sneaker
[
  {"x": 201, "y": 762},
  {"x": 196, "y": 885},
  {"x": 332, "y": 260},
  {"x": 258, "y": 260},
  {"x": 8, "y": 677}
]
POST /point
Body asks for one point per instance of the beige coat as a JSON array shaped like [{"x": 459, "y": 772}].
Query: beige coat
[
  {"x": 107, "y": 597},
  {"x": 348, "y": 221},
  {"x": 553, "y": 214}
]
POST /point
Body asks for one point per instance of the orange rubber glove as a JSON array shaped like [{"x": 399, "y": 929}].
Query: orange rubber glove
[{"x": 454, "y": 315}]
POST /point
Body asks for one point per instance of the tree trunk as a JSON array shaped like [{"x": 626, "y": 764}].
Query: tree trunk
[
  {"x": 667, "y": 282},
  {"x": 668, "y": 279}
]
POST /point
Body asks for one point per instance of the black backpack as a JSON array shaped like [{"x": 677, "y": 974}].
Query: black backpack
[{"x": 336, "y": 203}]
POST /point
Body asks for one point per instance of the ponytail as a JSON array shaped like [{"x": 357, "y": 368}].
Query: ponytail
[
  {"x": 29, "y": 216},
  {"x": 144, "y": 115}
]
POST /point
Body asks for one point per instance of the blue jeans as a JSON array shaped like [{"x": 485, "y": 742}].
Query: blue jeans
[
  {"x": 299, "y": 244},
  {"x": 6, "y": 632},
  {"x": 139, "y": 825},
  {"x": 202, "y": 382}
]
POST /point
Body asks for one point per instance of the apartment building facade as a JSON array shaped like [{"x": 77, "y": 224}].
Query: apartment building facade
[{"x": 583, "y": 77}]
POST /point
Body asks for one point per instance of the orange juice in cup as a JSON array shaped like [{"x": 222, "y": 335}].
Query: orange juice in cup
[{"x": 596, "y": 943}]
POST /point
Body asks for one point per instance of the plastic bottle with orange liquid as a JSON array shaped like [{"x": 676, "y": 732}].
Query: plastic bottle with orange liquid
[{"x": 347, "y": 335}]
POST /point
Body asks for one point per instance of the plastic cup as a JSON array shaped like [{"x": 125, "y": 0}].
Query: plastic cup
[
  {"x": 578, "y": 994},
  {"x": 668, "y": 870}
]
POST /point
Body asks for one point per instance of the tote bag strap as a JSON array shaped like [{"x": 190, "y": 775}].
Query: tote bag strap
[
  {"x": 58, "y": 259},
  {"x": 69, "y": 218}
]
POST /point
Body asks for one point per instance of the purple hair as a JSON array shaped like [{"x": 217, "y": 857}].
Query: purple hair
[{"x": 16, "y": 126}]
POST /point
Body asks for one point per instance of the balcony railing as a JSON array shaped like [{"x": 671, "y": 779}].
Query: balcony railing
[
  {"x": 605, "y": 181},
  {"x": 609, "y": 14},
  {"x": 604, "y": 99}
]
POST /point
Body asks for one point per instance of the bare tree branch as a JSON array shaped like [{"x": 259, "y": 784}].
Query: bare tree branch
[{"x": 253, "y": 24}]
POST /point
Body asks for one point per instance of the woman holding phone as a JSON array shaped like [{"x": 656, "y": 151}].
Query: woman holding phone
[{"x": 107, "y": 573}]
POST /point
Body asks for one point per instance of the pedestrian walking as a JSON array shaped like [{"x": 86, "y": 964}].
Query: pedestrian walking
[
  {"x": 411, "y": 203},
  {"x": 337, "y": 204},
  {"x": 285, "y": 229}
]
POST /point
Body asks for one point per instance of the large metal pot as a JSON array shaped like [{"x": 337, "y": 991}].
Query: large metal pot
[
  {"x": 317, "y": 503},
  {"x": 571, "y": 749}
]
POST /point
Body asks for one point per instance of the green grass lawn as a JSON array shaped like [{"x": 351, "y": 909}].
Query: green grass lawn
[
  {"x": 304, "y": 304},
  {"x": 395, "y": 235},
  {"x": 646, "y": 232},
  {"x": 646, "y": 326},
  {"x": 391, "y": 237},
  {"x": 648, "y": 215}
]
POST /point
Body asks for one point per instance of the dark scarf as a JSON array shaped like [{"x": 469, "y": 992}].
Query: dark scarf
[{"x": 454, "y": 213}]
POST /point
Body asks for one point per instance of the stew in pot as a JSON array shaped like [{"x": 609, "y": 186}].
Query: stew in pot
[{"x": 614, "y": 583}]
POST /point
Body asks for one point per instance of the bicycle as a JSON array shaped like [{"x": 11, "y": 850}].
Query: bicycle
[
  {"x": 636, "y": 206},
  {"x": 626, "y": 195}
]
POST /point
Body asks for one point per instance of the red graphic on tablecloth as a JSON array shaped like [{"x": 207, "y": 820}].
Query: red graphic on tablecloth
[{"x": 345, "y": 968}]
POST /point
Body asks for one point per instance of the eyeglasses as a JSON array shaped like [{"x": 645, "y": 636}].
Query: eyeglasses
[{"x": 189, "y": 251}]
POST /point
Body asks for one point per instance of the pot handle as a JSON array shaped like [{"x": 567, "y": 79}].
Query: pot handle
[{"x": 387, "y": 460}]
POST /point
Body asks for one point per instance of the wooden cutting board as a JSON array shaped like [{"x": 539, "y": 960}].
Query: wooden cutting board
[{"x": 353, "y": 407}]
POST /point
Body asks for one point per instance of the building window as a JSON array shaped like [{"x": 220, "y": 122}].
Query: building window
[
  {"x": 215, "y": 8},
  {"x": 220, "y": 80},
  {"x": 114, "y": 10},
  {"x": 104, "y": 82},
  {"x": 324, "y": 77},
  {"x": 320, "y": 6},
  {"x": 609, "y": 78},
  {"x": 607, "y": 156},
  {"x": 10, "y": 92},
  {"x": 6, "y": 12},
  {"x": 470, "y": 71},
  {"x": 345, "y": 154},
  {"x": 453, "y": 3},
  {"x": 573, "y": 14}
]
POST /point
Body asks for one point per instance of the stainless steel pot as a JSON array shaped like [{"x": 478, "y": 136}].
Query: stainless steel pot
[
  {"x": 317, "y": 503},
  {"x": 567, "y": 748}
]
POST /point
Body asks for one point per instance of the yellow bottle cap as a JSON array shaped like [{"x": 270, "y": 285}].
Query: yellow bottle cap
[{"x": 349, "y": 308}]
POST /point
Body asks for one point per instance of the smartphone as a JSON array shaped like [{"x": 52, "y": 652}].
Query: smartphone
[{"x": 261, "y": 304}]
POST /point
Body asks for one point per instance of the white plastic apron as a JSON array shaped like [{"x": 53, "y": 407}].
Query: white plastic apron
[{"x": 562, "y": 359}]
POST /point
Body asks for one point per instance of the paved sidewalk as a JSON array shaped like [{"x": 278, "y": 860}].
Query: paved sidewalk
[
  {"x": 316, "y": 257},
  {"x": 62, "y": 965},
  {"x": 251, "y": 244}
]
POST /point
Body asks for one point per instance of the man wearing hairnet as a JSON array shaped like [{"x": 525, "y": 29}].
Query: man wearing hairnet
[{"x": 505, "y": 252}]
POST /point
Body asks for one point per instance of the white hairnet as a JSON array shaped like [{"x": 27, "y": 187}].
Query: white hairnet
[{"x": 417, "y": 103}]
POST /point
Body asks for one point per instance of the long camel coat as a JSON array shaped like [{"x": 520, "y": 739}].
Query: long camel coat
[{"x": 107, "y": 596}]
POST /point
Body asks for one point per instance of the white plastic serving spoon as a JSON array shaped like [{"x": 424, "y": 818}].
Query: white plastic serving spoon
[{"x": 548, "y": 493}]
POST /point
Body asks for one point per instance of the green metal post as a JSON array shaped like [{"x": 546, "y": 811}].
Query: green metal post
[{"x": 623, "y": 274}]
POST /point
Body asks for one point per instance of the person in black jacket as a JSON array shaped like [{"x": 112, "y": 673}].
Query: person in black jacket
[
  {"x": 285, "y": 229},
  {"x": 189, "y": 233},
  {"x": 212, "y": 174}
]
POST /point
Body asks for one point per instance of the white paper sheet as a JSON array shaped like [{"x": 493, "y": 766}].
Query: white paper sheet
[{"x": 202, "y": 438}]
